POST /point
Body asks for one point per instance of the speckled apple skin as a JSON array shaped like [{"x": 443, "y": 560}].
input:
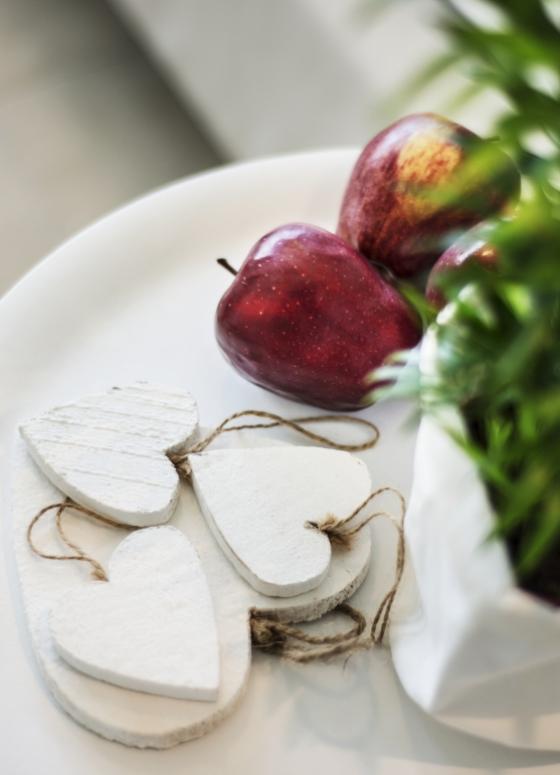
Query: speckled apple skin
[
  {"x": 470, "y": 247},
  {"x": 389, "y": 211},
  {"x": 308, "y": 317}
]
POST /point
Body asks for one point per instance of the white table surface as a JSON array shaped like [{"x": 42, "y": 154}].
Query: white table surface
[{"x": 323, "y": 718}]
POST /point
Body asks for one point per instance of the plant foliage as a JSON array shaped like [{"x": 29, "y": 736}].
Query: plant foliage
[{"x": 499, "y": 340}]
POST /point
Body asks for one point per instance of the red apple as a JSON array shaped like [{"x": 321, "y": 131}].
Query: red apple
[
  {"x": 470, "y": 247},
  {"x": 416, "y": 182},
  {"x": 308, "y": 317}
]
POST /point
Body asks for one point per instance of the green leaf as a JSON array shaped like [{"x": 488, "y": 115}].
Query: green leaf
[{"x": 499, "y": 340}]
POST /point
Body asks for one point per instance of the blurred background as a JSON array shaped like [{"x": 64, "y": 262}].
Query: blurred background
[{"x": 103, "y": 100}]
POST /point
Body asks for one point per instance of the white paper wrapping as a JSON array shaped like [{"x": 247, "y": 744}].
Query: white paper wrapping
[{"x": 468, "y": 645}]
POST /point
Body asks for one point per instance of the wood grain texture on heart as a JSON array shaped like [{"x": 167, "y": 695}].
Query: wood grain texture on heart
[
  {"x": 137, "y": 718},
  {"x": 258, "y": 501},
  {"x": 108, "y": 451},
  {"x": 151, "y": 627}
]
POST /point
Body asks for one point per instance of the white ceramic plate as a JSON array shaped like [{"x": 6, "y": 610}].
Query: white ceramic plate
[{"x": 133, "y": 297}]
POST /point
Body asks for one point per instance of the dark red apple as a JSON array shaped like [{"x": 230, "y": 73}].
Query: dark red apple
[
  {"x": 308, "y": 317},
  {"x": 417, "y": 182},
  {"x": 471, "y": 246}
]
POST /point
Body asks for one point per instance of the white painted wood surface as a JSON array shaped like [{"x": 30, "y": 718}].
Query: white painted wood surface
[
  {"x": 151, "y": 627},
  {"x": 108, "y": 451},
  {"x": 257, "y": 503},
  {"x": 131, "y": 717}
]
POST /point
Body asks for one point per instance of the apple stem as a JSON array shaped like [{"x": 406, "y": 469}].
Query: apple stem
[{"x": 226, "y": 265}]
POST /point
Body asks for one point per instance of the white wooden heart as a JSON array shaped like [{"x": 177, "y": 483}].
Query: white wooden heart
[
  {"x": 108, "y": 452},
  {"x": 137, "y": 718},
  {"x": 151, "y": 627},
  {"x": 258, "y": 501}
]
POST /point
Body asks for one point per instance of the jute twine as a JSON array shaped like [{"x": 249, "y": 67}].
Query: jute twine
[
  {"x": 297, "y": 424},
  {"x": 268, "y": 633},
  {"x": 295, "y": 644},
  {"x": 97, "y": 570}
]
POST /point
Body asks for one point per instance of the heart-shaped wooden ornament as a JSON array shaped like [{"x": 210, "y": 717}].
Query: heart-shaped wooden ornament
[
  {"x": 151, "y": 627},
  {"x": 140, "y": 718},
  {"x": 259, "y": 503},
  {"x": 108, "y": 452}
]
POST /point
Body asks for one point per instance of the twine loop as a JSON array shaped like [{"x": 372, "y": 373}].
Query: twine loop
[
  {"x": 97, "y": 570},
  {"x": 341, "y": 531},
  {"x": 181, "y": 462},
  {"x": 269, "y": 634}
]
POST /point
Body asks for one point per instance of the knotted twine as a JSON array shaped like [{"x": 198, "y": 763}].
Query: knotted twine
[
  {"x": 268, "y": 632},
  {"x": 275, "y": 636}
]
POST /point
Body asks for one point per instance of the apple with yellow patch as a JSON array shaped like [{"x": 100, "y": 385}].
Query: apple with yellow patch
[{"x": 416, "y": 185}]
